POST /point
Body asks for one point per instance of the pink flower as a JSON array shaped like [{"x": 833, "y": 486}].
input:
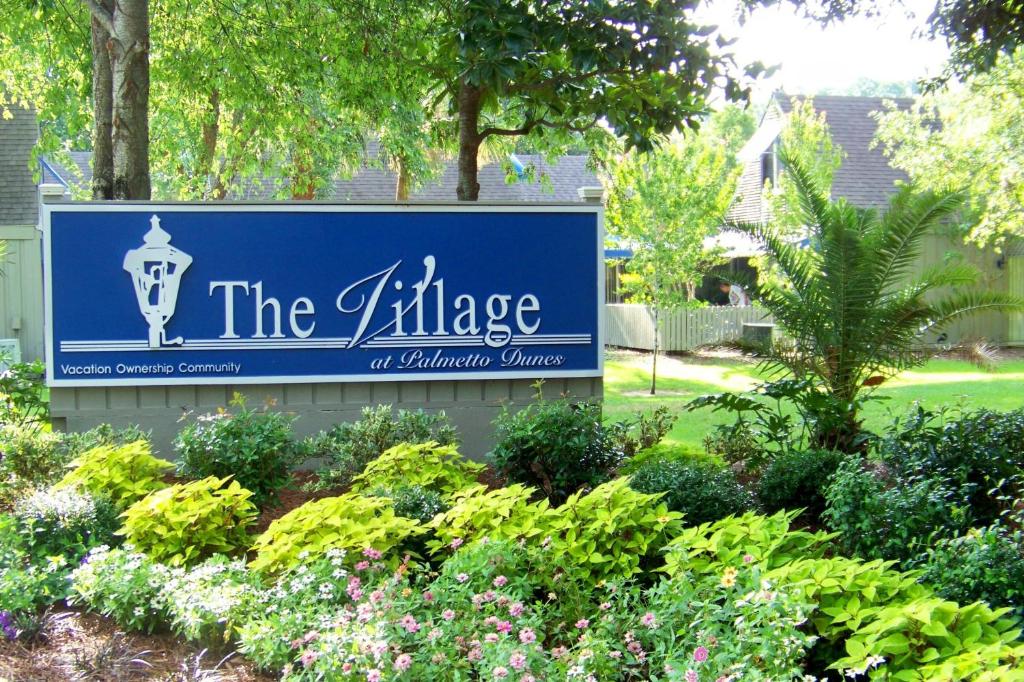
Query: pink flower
[
  {"x": 582, "y": 623},
  {"x": 504, "y": 626},
  {"x": 747, "y": 558},
  {"x": 615, "y": 654},
  {"x": 500, "y": 581},
  {"x": 448, "y": 614},
  {"x": 372, "y": 553},
  {"x": 500, "y": 672},
  {"x": 308, "y": 657},
  {"x": 309, "y": 636},
  {"x": 376, "y": 596},
  {"x": 475, "y": 654},
  {"x": 517, "y": 660},
  {"x": 409, "y": 623},
  {"x": 346, "y": 667},
  {"x": 489, "y": 595},
  {"x": 373, "y": 676},
  {"x": 649, "y": 620},
  {"x": 527, "y": 678},
  {"x": 462, "y": 577},
  {"x": 362, "y": 565},
  {"x": 700, "y": 654},
  {"x": 491, "y": 637},
  {"x": 403, "y": 662},
  {"x": 605, "y": 606},
  {"x": 527, "y": 636},
  {"x": 634, "y": 647},
  {"x": 690, "y": 676},
  {"x": 428, "y": 596},
  {"x": 516, "y": 609},
  {"x": 491, "y": 621},
  {"x": 558, "y": 652},
  {"x": 456, "y": 543}
]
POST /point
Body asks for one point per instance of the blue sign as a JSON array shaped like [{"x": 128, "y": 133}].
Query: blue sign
[{"x": 233, "y": 294}]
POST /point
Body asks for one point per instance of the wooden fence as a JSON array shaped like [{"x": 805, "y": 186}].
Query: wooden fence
[
  {"x": 21, "y": 290},
  {"x": 630, "y": 325}
]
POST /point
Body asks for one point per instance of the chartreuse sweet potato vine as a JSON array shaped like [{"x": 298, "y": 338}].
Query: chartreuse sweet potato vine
[
  {"x": 428, "y": 465},
  {"x": 352, "y": 522},
  {"x": 189, "y": 522},
  {"x": 124, "y": 474}
]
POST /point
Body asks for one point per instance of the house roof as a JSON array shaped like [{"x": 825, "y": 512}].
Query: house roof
[
  {"x": 562, "y": 179},
  {"x": 865, "y": 178},
  {"x": 19, "y": 201}
]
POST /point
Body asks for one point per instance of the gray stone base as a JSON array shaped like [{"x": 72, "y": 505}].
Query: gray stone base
[{"x": 471, "y": 405}]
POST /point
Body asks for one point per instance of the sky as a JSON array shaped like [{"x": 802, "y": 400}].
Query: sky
[{"x": 811, "y": 58}]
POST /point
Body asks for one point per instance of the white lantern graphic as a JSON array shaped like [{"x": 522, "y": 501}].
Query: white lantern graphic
[{"x": 156, "y": 268}]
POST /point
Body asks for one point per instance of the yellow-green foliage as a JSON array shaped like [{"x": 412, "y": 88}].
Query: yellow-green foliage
[
  {"x": 502, "y": 514},
  {"x": 429, "y": 465},
  {"x": 848, "y": 592},
  {"x": 125, "y": 474},
  {"x": 934, "y": 639},
  {"x": 766, "y": 539},
  {"x": 186, "y": 523},
  {"x": 350, "y": 522},
  {"x": 606, "y": 533}
]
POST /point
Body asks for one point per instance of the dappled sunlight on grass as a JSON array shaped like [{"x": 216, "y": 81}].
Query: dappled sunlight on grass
[{"x": 939, "y": 383}]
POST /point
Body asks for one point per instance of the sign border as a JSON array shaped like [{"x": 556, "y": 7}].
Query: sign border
[{"x": 48, "y": 208}]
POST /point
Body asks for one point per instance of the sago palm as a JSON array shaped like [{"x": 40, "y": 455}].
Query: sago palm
[{"x": 851, "y": 304}]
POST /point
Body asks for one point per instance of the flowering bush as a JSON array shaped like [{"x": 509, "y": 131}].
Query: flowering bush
[
  {"x": 65, "y": 522},
  {"x": 205, "y": 604},
  {"x": 27, "y": 583},
  {"x": 123, "y": 585},
  {"x": 350, "y": 522},
  {"x": 29, "y": 458},
  {"x": 185, "y": 523},
  {"x": 124, "y": 473},
  {"x": 429, "y": 465}
]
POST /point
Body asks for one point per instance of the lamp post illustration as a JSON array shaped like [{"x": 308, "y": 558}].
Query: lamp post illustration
[{"x": 156, "y": 268}]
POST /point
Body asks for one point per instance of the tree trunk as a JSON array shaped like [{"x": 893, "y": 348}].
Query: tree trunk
[
  {"x": 402, "y": 184},
  {"x": 103, "y": 112},
  {"x": 468, "y": 188},
  {"x": 211, "y": 132},
  {"x": 654, "y": 357},
  {"x": 129, "y": 66}
]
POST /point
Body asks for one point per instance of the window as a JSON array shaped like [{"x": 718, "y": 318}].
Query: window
[{"x": 769, "y": 167}]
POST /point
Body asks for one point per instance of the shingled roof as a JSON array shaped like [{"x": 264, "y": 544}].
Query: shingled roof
[
  {"x": 562, "y": 179},
  {"x": 865, "y": 178},
  {"x": 19, "y": 202}
]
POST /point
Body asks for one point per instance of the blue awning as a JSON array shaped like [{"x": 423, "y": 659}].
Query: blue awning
[{"x": 618, "y": 253}]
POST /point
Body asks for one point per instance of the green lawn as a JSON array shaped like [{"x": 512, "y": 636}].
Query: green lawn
[{"x": 940, "y": 382}]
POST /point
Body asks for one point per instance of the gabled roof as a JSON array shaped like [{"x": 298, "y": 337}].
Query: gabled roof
[
  {"x": 19, "y": 202},
  {"x": 371, "y": 182},
  {"x": 865, "y": 178}
]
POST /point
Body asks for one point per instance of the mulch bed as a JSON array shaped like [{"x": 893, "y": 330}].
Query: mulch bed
[{"x": 85, "y": 646}]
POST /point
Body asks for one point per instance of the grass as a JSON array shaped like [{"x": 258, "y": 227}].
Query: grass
[{"x": 939, "y": 382}]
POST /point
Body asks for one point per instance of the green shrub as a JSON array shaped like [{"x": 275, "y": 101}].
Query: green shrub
[
  {"x": 613, "y": 532},
  {"x": 879, "y": 516},
  {"x": 502, "y": 514},
  {"x": 188, "y": 522},
  {"x": 643, "y": 431},
  {"x": 254, "y": 446},
  {"x": 972, "y": 451},
  {"x": 22, "y": 391},
  {"x": 798, "y": 479},
  {"x": 65, "y": 522},
  {"x": 737, "y": 443},
  {"x": 27, "y": 583},
  {"x": 124, "y": 473},
  {"x": 700, "y": 491},
  {"x": 426, "y": 465},
  {"x": 557, "y": 446},
  {"x": 414, "y": 501},
  {"x": 357, "y": 524},
  {"x": 349, "y": 447},
  {"x": 986, "y": 564},
  {"x": 29, "y": 458},
  {"x": 75, "y": 443},
  {"x": 667, "y": 452},
  {"x": 122, "y": 585}
]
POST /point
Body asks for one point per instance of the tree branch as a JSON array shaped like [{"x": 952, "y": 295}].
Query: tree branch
[
  {"x": 102, "y": 15},
  {"x": 530, "y": 125}
]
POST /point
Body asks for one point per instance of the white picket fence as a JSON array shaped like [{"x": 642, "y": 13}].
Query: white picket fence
[{"x": 631, "y": 325}]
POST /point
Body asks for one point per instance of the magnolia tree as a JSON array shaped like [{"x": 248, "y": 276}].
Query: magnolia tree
[{"x": 664, "y": 204}]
